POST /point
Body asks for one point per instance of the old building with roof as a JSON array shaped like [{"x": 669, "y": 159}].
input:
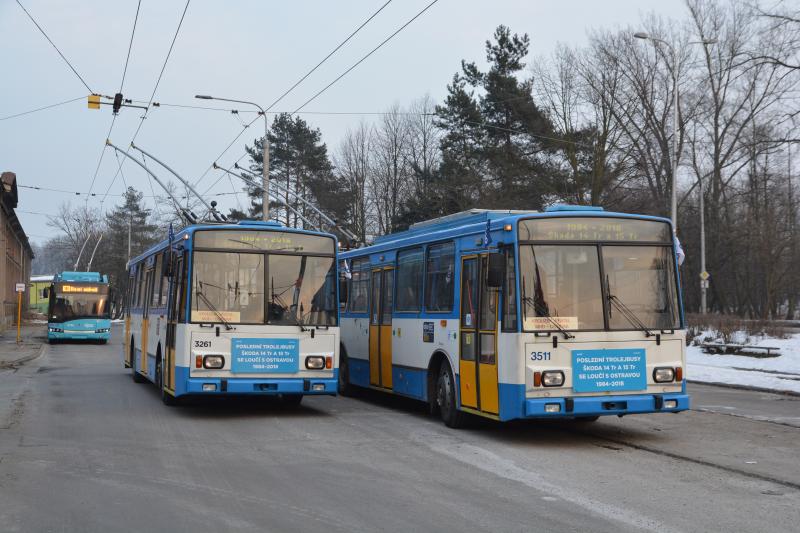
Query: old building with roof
[{"x": 15, "y": 263}]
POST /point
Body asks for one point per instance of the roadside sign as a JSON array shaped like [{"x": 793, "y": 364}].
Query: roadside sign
[
  {"x": 20, "y": 287},
  {"x": 704, "y": 275}
]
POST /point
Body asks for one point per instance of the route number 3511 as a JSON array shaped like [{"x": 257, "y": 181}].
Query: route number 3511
[{"x": 540, "y": 356}]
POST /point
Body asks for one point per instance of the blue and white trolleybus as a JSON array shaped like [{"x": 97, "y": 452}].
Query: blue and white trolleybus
[
  {"x": 572, "y": 312},
  {"x": 246, "y": 309}
]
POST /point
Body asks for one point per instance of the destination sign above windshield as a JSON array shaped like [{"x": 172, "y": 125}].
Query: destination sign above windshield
[
  {"x": 268, "y": 241},
  {"x": 594, "y": 229},
  {"x": 71, "y": 288}
]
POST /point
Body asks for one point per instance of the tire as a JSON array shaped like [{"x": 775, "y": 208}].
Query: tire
[
  {"x": 343, "y": 385},
  {"x": 137, "y": 377},
  {"x": 446, "y": 399},
  {"x": 291, "y": 400},
  {"x": 166, "y": 397}
]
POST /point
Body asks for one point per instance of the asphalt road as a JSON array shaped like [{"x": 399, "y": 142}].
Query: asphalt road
[{"x": 83, "y": 448}]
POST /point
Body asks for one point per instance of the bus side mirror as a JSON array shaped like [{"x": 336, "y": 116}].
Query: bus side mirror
[
  {"x": 496, "y": 270},
  {"x": 342, "y": 291}
]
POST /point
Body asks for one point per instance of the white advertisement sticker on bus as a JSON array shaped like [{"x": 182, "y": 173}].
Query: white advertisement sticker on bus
[
  {"x": 544, "y": 323},
  {"x": 265, "y": 355},
  {"x": 608, "y": 370}
]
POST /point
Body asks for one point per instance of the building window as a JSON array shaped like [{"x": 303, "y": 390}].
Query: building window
[
  {"x": 409, "y": 280},
  {"x": 440, "y": 274}
]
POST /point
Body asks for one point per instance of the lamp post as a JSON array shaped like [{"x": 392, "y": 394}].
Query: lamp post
[
  {"x": 676, "y": 158},
  {"x": 675, "y": 125},
  {"x": 265, "y": 146}
]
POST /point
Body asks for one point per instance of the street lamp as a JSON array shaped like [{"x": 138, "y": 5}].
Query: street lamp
[
  {"x": 676, "y": 157},
  {"x": 265, "y": 146},
  {"x": 675, "y": 125}
]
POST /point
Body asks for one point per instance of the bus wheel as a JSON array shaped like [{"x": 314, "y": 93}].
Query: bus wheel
[
  {"x": 166, "y": 397},
  {"x": 291, "y": 400},
  {"x": 343, "y": 385},
  {"x": 446, "y": 399},
  {"x": 137, "y": 377}
]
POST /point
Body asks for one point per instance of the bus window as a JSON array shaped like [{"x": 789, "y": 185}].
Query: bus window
[
  {"x": 359, "y": 287},
  {"x": 440, "y": 273},
  {"x": 155, "y": 299},
  {"x": 409, "y": 280},
  {"x": 510, "y": 294}
]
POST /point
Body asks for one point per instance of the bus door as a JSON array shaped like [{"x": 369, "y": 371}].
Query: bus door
[
  {"x": 380, "y": 328},
  {"x": 478, "y": 345},
  {"x": 174, "y": 308}
]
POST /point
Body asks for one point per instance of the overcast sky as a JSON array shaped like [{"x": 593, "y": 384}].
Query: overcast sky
[{"x": 250, "y": 50}]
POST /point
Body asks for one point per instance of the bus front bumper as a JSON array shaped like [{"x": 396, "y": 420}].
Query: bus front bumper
[
  {"x": 606, "y": 405},
  {"x": 262, "y": 386},
  {"x": 77, "y": 335}
]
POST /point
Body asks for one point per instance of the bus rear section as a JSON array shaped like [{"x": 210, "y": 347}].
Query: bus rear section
[
  {"x": 251, "y": 309},
  {"x": 78, "y": 307}
]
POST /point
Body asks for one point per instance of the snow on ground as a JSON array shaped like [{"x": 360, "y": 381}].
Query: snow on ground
[{"x": 780, "y": 373}]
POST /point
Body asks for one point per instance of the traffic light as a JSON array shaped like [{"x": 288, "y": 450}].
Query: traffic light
[
  {"x": 117, "y": 102},
  {"x": 94, "y": 101}
]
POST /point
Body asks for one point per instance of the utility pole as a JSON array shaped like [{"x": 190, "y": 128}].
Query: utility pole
[
  {"x": 265, "y": 156},
  {"x": 703, "y": 273},
  {"x": 129, "y": 236}
]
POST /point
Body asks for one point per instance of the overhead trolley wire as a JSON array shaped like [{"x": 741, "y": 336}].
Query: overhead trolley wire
[
  {"x": 56, "y": 47},
  {"x": 130, "y": 45},
  {"x": 290, "y": 89},
  {"x": 152, "y": 95},
  {"x": 42, "y": 108}
]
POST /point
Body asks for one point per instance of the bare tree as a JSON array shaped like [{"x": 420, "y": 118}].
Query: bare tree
[
  {"x": 353, "y": 166},
  {"x": 391, "y": 171}
]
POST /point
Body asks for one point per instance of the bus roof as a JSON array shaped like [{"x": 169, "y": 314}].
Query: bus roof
[
  {"x": 88, "y": 277},
  {"x": 474, "y": 221},
  {"x": 188, "y": 231}
]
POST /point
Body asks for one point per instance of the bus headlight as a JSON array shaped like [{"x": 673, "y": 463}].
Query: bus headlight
[
  {"x": 663, "y": 374},
  {"x": 315, "y": 362},
  {"x": 213, "y": 361},
  {"x": 552, "y": 378}
]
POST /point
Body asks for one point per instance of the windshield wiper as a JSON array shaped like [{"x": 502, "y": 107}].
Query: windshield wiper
[
  {"x": 211, "y": 306},
  {"x": 626, "y": 312},
  {"x": 298, "y": 322},
  {"x": 541, "y": 311}
]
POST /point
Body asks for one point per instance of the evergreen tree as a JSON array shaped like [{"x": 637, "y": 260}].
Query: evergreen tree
[
  {"x": 494, "y": 150},
  {"x": 112, "y": 255},
  {"x": 299, "y": 162}
]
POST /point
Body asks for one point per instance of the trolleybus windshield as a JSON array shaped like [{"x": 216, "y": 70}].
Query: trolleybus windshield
[
  {"x": 624, "y": 280},
  {"x": 73, "y": 301},
  {"x": 263, "y": 277}
]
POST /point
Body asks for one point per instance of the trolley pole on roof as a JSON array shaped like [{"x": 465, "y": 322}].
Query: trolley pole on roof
[
  {"x": 217, "y": 216},
  {"x": 188, "y": 215}
]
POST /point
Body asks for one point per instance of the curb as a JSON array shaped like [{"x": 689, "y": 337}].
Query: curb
[
  {"x": 746, "y": 387},
  {"x": 22, "y": 360}
]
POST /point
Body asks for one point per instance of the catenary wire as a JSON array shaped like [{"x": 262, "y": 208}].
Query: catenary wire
[
  {"x": 130, "y": 45},
  {"x": 56, "y": 47},
  {"x": 42, "y": 108}
]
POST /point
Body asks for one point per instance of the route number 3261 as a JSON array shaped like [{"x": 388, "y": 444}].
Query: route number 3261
[{"x": 540, "y": 356}]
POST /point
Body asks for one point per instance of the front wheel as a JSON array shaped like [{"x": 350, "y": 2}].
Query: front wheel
[
  {"x": 343, "y": 383},
  {"x": 446, "y": 399},
  {"x": 166, "y": 397}
]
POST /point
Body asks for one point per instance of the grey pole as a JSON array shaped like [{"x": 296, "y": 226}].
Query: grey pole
[
  {"x": 328, "y": 219},
  {"x": 703, "y": 283},
  {"x": 129, "y": 238},
  {"x": 676, "y": 126},
  {"x": 265, "y": 155},
  {"x": 210, "y": 209},
  {"x": 89, "y": 266},
  {"x": 277, "y": 198},
  {"x": 185, "y": 212}
]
